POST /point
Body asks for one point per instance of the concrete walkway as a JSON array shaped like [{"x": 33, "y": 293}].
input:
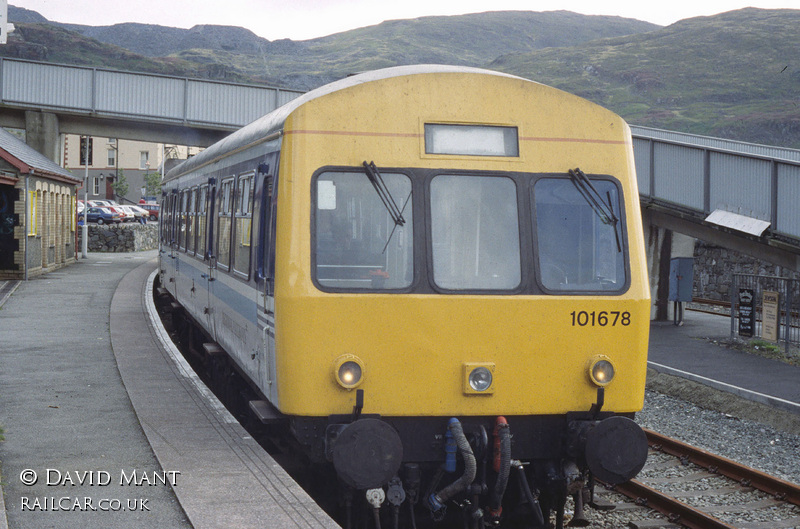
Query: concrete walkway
[{"x": 65, "y": 411}]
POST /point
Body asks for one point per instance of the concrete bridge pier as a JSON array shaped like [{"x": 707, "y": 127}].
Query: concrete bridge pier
[
  {"x": 663, "y": 245},
  {"x": 42, "y": 133}
]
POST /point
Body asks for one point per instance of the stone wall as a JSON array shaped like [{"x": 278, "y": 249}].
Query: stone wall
[
  {"x": 714, "y": 268},
  {"x": 120, "y": 237}
]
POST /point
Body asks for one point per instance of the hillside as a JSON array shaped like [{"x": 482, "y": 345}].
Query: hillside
[
  {"x": 237, "y": 53},
  {"x": 734, "y": 75}
]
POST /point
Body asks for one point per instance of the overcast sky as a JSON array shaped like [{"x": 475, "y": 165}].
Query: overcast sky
[{"x": 307, "y": 19}]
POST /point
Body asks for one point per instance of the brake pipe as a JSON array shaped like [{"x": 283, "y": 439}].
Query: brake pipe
[
  {"x": 437, "y": 501},
  {"x": 527, "y": 493},
  {"x": 501, "y": 465}
]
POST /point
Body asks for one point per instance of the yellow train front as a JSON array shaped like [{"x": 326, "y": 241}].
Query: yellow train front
[{"x": 460, "y": 298}]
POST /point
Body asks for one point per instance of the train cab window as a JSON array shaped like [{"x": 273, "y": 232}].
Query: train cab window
[
  {"x": 202, "y": 209},
  {"x": 475, "y": 234},
  {"x": 243, "y": 216},
  {"x": 192, "y": 219},
  {"x": 579, "y": 233},
  {"x": 224, "y": 229},
  {"x": 358, "y": 242}
]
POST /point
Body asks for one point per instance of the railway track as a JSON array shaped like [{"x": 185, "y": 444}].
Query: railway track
[{"x": 699, "y": 490}]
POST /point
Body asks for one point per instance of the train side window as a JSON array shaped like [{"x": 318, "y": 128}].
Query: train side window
[
  {"x": 190, "y": 226},
  {"x": 171, "y": 218},
  {"x": 475, "y": 233},
  {"x": 243, "y": 219},
  {"x": 162, "y": 225},
  {"x": 183, "y": 218},
  {"x": 579, "y": 248},
  {"x": 225, "y": 225},
  {"x": 202, "y": 209}
]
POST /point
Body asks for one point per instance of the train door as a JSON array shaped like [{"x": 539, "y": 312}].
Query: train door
[
  {"x": 265, "y": 272},
  {"x": 210, "y": 256},
  {"x": 171, "y": 263}
]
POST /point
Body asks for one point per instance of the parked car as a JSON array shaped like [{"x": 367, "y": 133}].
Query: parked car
[
  {"x": 137, "y": 212},
  {"x": 101, "y": 216},
  {"x": 126, "y": 215},
  {"x": 152, "y": 209}
]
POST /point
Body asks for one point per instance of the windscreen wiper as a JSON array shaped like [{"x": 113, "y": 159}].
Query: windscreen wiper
[
  {"x": 595, "y": 200},
  {"x": 383, "y": 192}
]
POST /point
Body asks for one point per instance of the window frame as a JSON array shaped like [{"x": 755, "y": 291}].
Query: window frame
[
  {"x": 623, "y": 238},
  {"x": 523, "y": 250},
  {"x": 243, "y": 209},
  {"x": 415, "y": 226},
  {"x": 423, "y": 279}
]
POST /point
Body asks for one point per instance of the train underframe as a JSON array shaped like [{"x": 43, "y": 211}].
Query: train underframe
[{"x": 409, "y": 472}]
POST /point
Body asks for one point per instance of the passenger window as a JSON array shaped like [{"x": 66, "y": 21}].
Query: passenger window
[
  {"x": 243, "y": 216},
  {"x": 224, "y": 231},
  {"x": 192, "y": 218},
  {"x": 357, "y": 243},
  {"x": 202, "y": 208},
  {"x": 183, "y": 217},
  {"x": 580, "y": 247},
  {"x": 475, "y": 233}
]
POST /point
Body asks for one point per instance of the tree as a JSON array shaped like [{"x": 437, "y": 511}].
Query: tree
[
  {"x": 120, "y": 185},
  {"x": 152, "y": 184}
]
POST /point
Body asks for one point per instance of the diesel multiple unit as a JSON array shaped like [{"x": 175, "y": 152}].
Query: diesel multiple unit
[{"x": 433, "y": 279}]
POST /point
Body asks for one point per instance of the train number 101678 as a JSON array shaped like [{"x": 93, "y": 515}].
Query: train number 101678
[{"x": 600, "y": 319}]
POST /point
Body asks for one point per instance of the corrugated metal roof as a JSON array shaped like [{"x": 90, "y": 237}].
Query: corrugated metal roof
[
  {"x": 716, "y": 143},
  {"x": 31, "y": 157}
]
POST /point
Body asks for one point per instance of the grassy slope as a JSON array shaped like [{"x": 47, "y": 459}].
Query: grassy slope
[{"x": 735, "y": 75}]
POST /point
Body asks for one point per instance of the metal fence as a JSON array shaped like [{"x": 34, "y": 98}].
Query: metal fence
[{"x": 766, "y": 307}]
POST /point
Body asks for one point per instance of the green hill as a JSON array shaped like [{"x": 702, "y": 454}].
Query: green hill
[{"x": 734, "y": 75}]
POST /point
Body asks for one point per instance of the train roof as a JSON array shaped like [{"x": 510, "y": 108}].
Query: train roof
[{"x": 269, "y": 125}]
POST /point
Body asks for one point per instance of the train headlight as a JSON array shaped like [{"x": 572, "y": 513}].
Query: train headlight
[
  {"x": 601, "y": 370},
  {"x": 478, "y": 378},
  {"x": 349, "y": 371}
]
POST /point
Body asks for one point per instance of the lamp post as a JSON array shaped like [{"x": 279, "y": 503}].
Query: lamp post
[{"x": 85, "y": 228}]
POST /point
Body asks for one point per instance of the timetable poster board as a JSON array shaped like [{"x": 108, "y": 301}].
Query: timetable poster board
[
  {"x": 769, "y": 315},
  {"x": 747, "y": 314}
]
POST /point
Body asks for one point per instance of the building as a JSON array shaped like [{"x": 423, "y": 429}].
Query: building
[
  {"x": 120, "y": 169},
  {"x": 37, "y": 211}
]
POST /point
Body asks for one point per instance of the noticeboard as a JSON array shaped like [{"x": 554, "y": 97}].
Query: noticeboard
[
  {"x": 747, "y": 315},
  {"x": 769, "y": 316}
]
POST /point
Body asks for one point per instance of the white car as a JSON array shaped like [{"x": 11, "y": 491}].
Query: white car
[{"x": 136, "y": 211}]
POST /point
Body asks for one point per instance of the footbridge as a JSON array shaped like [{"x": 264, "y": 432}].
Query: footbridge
[{"x": 738, "y": 195}]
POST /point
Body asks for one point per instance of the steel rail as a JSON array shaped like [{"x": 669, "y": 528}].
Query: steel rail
[
  {"x": 676, "y": 511},
  {"x": 746, "y": 476}
]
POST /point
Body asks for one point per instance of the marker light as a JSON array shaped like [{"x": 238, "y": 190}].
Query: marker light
[
  {"x": 478, "y": 378},
  {"x": 601, "y": 371},
  {"x": 349, "y": 371}
]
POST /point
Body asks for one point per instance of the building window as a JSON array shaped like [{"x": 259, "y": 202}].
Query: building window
[
  {"x": 96, "y": 186},
  {"x": 144, "y": 160},
  {"x": 31, "y": 213},
  {"x": 112, "y": 157}
]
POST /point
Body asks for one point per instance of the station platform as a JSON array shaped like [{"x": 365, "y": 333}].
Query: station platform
[
  {"x": 106, "y": 426},
  {"x": 699, "y": 350}
]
